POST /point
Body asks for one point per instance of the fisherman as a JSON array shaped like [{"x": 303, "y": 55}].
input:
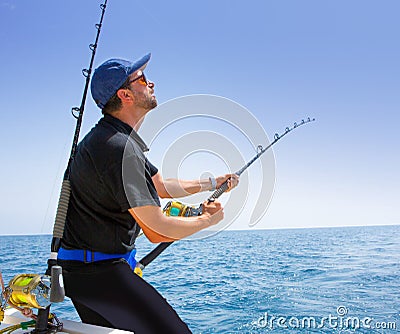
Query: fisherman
[{"x": 115, "y": 193}]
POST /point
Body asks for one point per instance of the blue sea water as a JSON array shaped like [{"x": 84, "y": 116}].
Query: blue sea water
[{"x": 330, "y": 280}]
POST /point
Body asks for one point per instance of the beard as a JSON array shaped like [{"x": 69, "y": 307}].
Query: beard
[{"x": 145, "y": 101}]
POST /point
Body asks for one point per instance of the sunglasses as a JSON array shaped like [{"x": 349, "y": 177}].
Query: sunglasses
[{"x": 141, "y": 79}]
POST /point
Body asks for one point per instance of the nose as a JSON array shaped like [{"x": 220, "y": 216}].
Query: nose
[{"x": 150, "y": 84}]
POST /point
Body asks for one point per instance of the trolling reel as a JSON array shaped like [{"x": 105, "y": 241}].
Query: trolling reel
[
  {"x": 32, "y": 291},
  {"x": 175, "y": 209},
  {"x": 29, "y": 291}
]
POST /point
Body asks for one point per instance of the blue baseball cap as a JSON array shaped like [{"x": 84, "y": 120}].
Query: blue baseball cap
[{"x": 109, "y": 77}]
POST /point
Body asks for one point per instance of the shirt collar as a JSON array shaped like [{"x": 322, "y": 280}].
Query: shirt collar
[{"x": 127, "y": 129}]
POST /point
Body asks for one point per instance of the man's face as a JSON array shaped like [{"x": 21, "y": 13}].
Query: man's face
[{"x": 143, "y": 91}]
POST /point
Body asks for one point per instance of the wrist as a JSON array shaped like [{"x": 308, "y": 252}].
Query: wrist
[
  {"x": 206, "y": 219},
  {"x": 213, "y": 183}
]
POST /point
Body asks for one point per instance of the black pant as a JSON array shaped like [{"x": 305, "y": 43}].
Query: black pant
[{"x": 109, "y": 294}]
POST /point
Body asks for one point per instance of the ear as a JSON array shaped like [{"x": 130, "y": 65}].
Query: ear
[{"x": 125, "y": 95}]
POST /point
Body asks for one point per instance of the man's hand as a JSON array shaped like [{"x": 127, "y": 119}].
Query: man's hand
[
  {"x": 233, "y": 181},
  {"x": 213, "y": 211}
]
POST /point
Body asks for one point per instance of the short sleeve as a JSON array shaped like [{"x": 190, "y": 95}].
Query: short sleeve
[
  {"x": 153, "y": 170},
  {"x": 138, "y": 187}
]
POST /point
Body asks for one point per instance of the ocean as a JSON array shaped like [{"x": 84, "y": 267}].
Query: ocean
[{"x": 320, "y": 280}]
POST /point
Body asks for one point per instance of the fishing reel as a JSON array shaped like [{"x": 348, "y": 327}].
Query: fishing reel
[
  {"x": 175, "y": 209},
  {"x": 29, "y": 291},
  {"x": 32, "y": 291}
]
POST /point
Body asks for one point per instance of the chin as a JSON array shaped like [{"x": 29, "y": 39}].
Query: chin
[{"x": 153, "y": 104}]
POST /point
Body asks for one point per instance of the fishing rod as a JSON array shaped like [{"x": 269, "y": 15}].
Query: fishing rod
[
  {"x": 174, "y": 208},
  {"x": 77, "y": 112}
]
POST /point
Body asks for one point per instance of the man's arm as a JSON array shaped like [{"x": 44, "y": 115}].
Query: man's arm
[
  {"x": 159, "y": 228},
  {"x": 175, "y": 188}
]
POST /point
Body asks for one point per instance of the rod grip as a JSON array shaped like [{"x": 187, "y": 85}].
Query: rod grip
[
  {"x": 61, "y": 215},
  {"x": 217, "y": 193},
  {"x": 154, "y": 253}
]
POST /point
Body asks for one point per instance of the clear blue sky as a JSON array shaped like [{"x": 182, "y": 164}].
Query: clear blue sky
[{"x": 337, "y": 61}]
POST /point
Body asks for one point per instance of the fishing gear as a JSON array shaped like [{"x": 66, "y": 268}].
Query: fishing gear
[
  {"x": 27, "y": 291},
  {"x": 77, "y": 112},
  {"x": 175, "y": 208}
]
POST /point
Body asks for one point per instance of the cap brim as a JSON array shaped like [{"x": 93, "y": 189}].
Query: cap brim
[{"x": 139, "y": 64}]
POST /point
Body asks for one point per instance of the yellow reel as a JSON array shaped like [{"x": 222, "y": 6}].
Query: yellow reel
[
  {"x": 29, "y": 290},
  {"x": 175, "y": 208}
]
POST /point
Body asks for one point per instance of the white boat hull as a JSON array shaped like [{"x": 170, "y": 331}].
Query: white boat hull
[{"x": 14, "y": 317}]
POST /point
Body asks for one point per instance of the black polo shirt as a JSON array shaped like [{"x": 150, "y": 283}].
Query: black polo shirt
[{"x": 108, "y": 175}]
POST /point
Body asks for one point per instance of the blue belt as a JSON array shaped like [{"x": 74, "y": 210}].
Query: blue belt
[{"x": 88, "y": 256}]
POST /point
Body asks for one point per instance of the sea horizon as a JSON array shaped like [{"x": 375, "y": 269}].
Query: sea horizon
[{"x": 248, "y": 230}]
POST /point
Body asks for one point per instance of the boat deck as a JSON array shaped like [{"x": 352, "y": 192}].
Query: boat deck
[{"x": 14, "y": 317}]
